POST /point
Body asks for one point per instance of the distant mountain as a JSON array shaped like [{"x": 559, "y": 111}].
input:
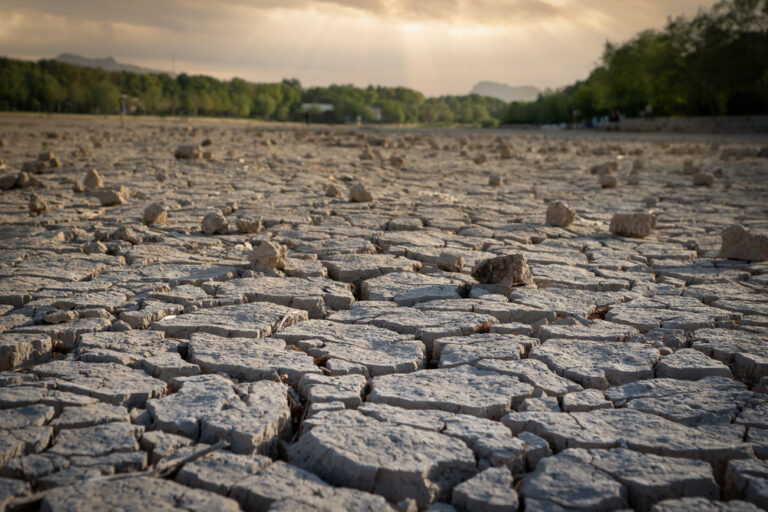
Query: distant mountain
[
  {"x": 107, "y": 64},
  {"x": 506, "y": 92}
]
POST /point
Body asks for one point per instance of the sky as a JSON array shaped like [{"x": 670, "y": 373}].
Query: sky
[{"x": 435, "y": 46}]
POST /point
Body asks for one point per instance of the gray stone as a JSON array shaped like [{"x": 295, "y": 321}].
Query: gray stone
[
  {"x": 345, "y": 389},
  {"x": 690, "y": 364},
  {"x": 257, "y": 320},
  {"x": 586, "y": 400},
  {"x": 402, "y": 287},
  {"x": 456, "y": 350},
  {"x": 489, "y": 491},
  {"x": 281, "y": 486},
  {"x": 703, "y": 505},
  {"x": 597, "y": 330},
  {"x": 18, "y": 349},
  {"x": 11, "y": 489},
  {"x": 705, "y": 401},
  {"x": 209, "y": 408},
  {"x": 533, "y": 372},
  {"x": 748, "y": 479},
  {"x": 560, "y": 214},
  {"x": 650, "y": 478},
  {"x": 634, "y": 225},
  {"x": 268, "y": 256},
  {"x": 155, "y": 213},
  {"x": 112, "y": 383},
  {"x": 214, "y": 223},
  {"x": 316, "y": 295},
  {"x": 397, "y": 462},
  {"x": 598, "y": 364},
  {"x": 249, "y": 359},
  {"x": 378, "y": 351},
  {"x": 133, "y": 495},
  {"x": 220, "y": 471},
  {"x": 431, "y": 325},
  {"x": 359, "y": 194},
  {"x": 745, "y": 351},
  {"x": 739, "y": 243},
  {"x": 353, "y": 268},
  {"x": 611, "y": 428},
  {"x": 98, "y": 440},
  {"x": 464, "y": 390},
  {"x": 96, "y": 414},
  {"x": 574, "y": 485},
  {"x": 506, "y": 271}
]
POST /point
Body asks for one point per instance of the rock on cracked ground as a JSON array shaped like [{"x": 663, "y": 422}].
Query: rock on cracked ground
[{"x": 305, "y": 318}]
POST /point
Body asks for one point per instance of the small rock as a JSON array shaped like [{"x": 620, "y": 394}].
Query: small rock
[
  {"x": 481, "y": 159},
  {"x": 155, "y": 214},
  {"x": 249, "y": 226},
  {"x": 494, "y": 180},
  {"x": 608, "y": 181},
  {"x": 397, "y": 161},
  {"x": 634, "y": 225},
  {"x": 33, "y": 167},
  {"x": 450, "y": 262},
  {"x": 739, "y": 243},
  {"x": 268, "y": 256},
  {"x": 24, "y": 180},
  {"x": 8, "y": 181},
  {"x": 188, "y": 152},
  {"x": 37, "y": 204},
  {"x": 214, "y": 223},
  {"x": 506, "y": 153},
  {"x": 60, "y": 317},
  {"x": 604, "y": 168},
  {"x": 359, "y": 194},
  {"x": 95, "y": 248},
  {"x": 332, "y": 191},
  {"x": 490, "y": 490},
  {"x": 112, "y": 196},
  {"x": 560, "y": 214},
  {"x": 367, "y": 154},
  {"x": 703, "y": 179},
  {"x": 507, "y": 271},
  {"x": 93, "y": 179}
]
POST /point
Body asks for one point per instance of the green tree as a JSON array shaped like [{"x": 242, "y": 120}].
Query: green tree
[
  {"x": 264, "y": 106},
  {"x": 105, "y": 97}
]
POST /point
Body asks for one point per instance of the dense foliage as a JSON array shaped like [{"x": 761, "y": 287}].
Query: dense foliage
[
  {"x": 713, "y": 64},
  {"x": 53, "y": 86}
]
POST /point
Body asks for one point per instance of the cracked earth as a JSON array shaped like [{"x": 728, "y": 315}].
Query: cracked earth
[{"x": 211, "y": 315}]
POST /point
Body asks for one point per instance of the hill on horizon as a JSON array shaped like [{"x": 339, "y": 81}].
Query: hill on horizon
[
  {"x": 506, "y": 92},
  {"x": 107, "y": 64}
]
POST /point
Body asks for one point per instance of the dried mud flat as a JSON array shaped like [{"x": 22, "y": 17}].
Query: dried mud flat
[{"x": 287, "y": 318}]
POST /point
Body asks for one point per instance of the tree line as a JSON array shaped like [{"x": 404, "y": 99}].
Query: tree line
[
  {"x": 53, "y": 86},
  {"x": 715, "y": 63}
]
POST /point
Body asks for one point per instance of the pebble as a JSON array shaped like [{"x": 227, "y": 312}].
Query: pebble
[
  {"x": 155, "y": 213},
  {"x": 560, "y": 214}
]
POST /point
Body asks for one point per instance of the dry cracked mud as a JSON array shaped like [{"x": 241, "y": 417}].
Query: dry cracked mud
[{"x": 300, "y": 318}]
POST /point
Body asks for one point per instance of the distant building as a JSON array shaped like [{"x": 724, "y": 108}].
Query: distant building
[{"x": 317, "y": 107}]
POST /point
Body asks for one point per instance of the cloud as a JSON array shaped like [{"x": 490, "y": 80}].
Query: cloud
[{"x": 436, "y": 46}]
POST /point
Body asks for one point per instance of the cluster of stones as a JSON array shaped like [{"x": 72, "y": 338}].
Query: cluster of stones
[{"x": 379, "y": 319}]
